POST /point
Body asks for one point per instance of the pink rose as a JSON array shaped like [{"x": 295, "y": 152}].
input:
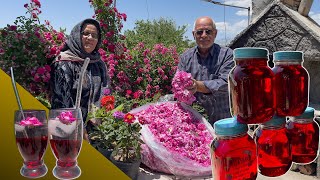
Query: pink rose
[
  {"x": 30, "y": 121},
  {"x": 66, "y": 117}
]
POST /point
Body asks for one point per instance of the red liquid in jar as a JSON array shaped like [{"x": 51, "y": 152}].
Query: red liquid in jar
[
  {"x": 251, "y": 91},
  {"x": 234, "y": 158},
  {"x": 32, "y": 149},
  {"x": 66, "y": 151},
  {"x": 291, "y": 85},
  {"x": 274, "y": 151},
  {"x": 304, "y": 141}
]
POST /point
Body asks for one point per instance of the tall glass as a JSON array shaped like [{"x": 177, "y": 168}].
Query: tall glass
[
  {"x": 65, "y": 134},
  {"x": 31, "y": 132}
]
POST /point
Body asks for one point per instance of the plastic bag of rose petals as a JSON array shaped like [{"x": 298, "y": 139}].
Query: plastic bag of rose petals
[{"x": 176, "y": 139}]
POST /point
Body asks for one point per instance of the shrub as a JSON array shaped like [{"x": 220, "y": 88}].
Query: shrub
[{"x": 29, "y": 46}]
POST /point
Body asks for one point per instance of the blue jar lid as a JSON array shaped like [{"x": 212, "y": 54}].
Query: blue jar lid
[
  {"x": 250, "y": 52},
  {"x": 288, "y": 56},
  {"x": 275, "y": 121},
  {"x": 229, "y": 127},
  {"x": 307, "y": 114}
]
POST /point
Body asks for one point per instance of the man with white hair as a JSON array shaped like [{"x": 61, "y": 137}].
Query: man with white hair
[{"x": 209, "y": 65}]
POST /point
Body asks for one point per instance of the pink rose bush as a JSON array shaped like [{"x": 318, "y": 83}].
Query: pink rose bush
[
  {"x": 110, "y": 20},
  {"x": 29, "y": 47},
  {"x": 177, "y": 139},
  {"x": 143, "y": 72},
  {"x": 180, "y": 82}
]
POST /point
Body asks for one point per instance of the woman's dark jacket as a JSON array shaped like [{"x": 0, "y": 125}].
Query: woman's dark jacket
[{"x": 65, "y": 72}]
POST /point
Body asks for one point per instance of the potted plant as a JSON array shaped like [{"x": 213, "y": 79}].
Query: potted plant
[
  {"x": 104, "y": 135},
  {"x": 119, "y": 133},
  {"x": 126, "y": 154}
]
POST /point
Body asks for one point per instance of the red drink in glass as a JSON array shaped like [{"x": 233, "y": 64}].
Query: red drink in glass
[
  {"x": 32, "y": 150},
  {"x": 233, "y": 152},
  {"x": 31, "y": 133},
  {"x": 251, "y": 86},
  {"x": 291, "y": 83},
  {"x": 65, "y": 132},
  {"x": 66, "y": 151},
  {"x": 304, "y": 134},
  {"x": 274, "y": 148}
]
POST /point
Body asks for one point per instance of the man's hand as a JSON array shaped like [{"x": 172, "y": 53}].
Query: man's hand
[
  {"x": 198, "y": 86},
  {"x": 194, "y": 86}
]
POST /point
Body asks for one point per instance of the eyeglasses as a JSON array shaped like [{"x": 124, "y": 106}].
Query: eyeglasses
[
  {"x": 207, "y": 31},
  {"x": 93, "y": 35}
]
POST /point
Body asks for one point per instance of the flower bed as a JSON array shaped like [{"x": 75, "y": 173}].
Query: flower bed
[{"x": 177, "y": 139}]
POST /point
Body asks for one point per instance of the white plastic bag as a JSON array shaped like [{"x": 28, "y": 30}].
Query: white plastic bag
[{"x": 159, "y": 158}]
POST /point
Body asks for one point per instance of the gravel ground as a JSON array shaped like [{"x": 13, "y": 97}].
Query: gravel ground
[{"x": 146, "y": 174}]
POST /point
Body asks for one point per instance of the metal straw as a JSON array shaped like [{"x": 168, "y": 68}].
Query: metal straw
[
  {"x": 16, "y": 92},
  {"x": 18, "y": 99},
  {"x": 79, "y": 89}
]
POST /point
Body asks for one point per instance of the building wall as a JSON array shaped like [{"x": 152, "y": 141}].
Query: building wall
[{"x": 277, "y": 31}]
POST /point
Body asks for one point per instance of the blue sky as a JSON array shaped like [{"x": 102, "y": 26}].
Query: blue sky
[{"x": 67, "y": 13}]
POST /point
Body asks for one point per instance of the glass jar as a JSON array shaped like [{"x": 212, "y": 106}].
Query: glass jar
[
  {"x": 273, "y": 147},
  {"x": 251, "y": 86},
  {"x": 304, "y": 133},
  {"x": 233, "y": 151},
  {"x": 291, "y": 83}
]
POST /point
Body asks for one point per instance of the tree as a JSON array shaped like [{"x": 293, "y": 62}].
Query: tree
[{"x": 162, "y": 31}]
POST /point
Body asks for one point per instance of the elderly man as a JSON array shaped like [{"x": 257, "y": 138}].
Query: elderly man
[{"x": 209, "y": 65}]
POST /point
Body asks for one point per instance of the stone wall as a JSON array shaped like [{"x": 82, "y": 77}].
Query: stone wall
[{"x": 276, "y": 31}]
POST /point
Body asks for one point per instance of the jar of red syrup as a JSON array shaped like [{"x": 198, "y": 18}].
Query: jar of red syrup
[
  {"x": 304, "y": 133},
  {"x": 233, "y": 151},
  {"x": 273, "y": 147},
  {"x": 291, "y": 83},
  {"x": 251, "y": 86}
]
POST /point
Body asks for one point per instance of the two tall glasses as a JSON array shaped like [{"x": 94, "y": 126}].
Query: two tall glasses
[{"x": 64, "y": 129}]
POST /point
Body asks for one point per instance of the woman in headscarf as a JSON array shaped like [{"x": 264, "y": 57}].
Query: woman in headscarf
[{"x": 83, "y": 42}]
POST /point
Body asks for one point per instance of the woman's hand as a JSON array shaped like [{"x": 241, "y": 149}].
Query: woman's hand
[
  {"x": 95, "y": 121},
  {"x": 85, "y": 135}
]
